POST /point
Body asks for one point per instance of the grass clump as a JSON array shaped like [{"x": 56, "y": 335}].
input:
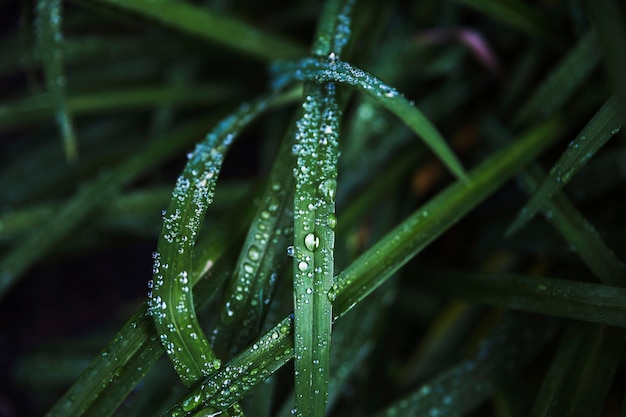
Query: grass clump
[{"x": 345, "y": 228}]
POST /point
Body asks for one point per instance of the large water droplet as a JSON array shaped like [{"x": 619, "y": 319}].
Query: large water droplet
[
  {"x": 327, "y": 189},
  {"x": 311, "y": 241},
  {"x": 254, "y": 254}
]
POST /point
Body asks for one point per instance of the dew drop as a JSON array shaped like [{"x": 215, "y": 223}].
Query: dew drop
[
  {"x": 290, "y": 251},
  {"x": 311, "y": 242},
  {"x": 254, "y": 254},
  {"x": 302, "y": 266},
  {"x": 327, "y": 189},
  {"x": 331, "y": 221}
]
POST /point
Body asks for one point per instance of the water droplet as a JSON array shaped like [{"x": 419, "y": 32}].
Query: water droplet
[
  {"x": 254, "y": 254},
  {"x": 327, "y": 189},
  {"x": 311, "y": 242},
  {"x": 248, "y": 268},
  {"x": 302, "y": 266},
  {"x": 331, "y": 220},
  {"x": 290, "y": 251},
  {"x": 332, "y": 293},
  {"x": 615, "y": 131}
]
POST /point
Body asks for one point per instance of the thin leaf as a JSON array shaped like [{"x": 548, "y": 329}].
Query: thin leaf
[
  {"x": 579, "y": 234},
  {"x": 580, "y": 377},
  {"x": 211, "y": 26},
  {"x": 497, "y": 360},
  {"x": 568, "y": 75},
  {"x": 608, "y": 21},
  {"x": 427, "y": 223},
  {"x": 514, "y": 13},
  {"x": 583, "y": 301},
  {"x": 314, "y": 220},
  {"x": 249, "y": 292},
  {"x": 42, "y": 106},
  {"x": 50, "y": 51},
  {"x": 605, "y": 124},
  {"x": 335, "y": 70}
]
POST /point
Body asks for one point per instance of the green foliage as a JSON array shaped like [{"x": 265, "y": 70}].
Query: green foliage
[{"x": 337, "y": 266}]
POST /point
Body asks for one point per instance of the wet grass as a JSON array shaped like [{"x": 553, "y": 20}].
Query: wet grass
[{"x": 421, "y": 215}]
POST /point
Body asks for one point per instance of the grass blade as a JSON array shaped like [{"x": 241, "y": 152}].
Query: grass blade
[
  {"x": 581, "y": 373},
  {"x": 42, "y": 106},
  {"x": 50, "y": 51},
  {"x": 605, "y": 124},
  {"x": 563, "y": 80},
  {"x": 514, "y": 13},
  {"x": 171, "y": 300},
  {"x": 335, "y": 70},
  {"x": 583, "y": 301},
  {"x": 608, "y": 21},
  {"x": 211, "y": 26},
  {"x": 247, "y": 297},
  {"x": 580, "y": 234},
  {"x": 314, "y": 221},
  {"x": 426, "y": 224},
  {"x": 460, "y": 389}
]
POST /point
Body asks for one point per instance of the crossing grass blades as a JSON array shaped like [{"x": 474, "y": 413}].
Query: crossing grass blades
[{"x": 385, "y": 262}]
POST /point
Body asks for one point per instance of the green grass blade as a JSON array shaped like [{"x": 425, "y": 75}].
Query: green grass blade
[
  {"x": 171, "y": 301},
  {"x": 514, "y": 13},
  {"x": 581, "y": 373},
  {"x": 608, "y": 21},
  {"x": 314, "y": 221},
  {"x": 241, "y": 374},
  {"x": 583, "y": 301},
  {"x": 457, "y": 391},
  {"x": 248, "y": 294},
  {"x": 211, "y": 26},
  {"x": 568, "y": 75},
  {"x": 335, "y": 70},
  {"x": 42, "y": 106},
  {"x": 425, "y": 225},
  {"x": 605, "y": 124},
  {"x": 50, "y": 51},
  {"x": 579, "y": 233}
]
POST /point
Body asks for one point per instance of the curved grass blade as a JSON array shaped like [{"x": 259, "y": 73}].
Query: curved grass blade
[
  {"x": 314, "y": 220},
  {"x": 376, "y": 265},
  {"x": 171, "y": 300},
  {"x": 596, "y": 303},
  {"x": 136, "y": 347},
  {"x": 50, "y": 51},
  {"x": 335, "y": 70},
  {"x": 563, "y": 80},
  {"x": 581, "y": 374},
  {"x": 457, "y": 391},
  {"x": 212, "y": 26},
  {"x": 605, "y": 124}
]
